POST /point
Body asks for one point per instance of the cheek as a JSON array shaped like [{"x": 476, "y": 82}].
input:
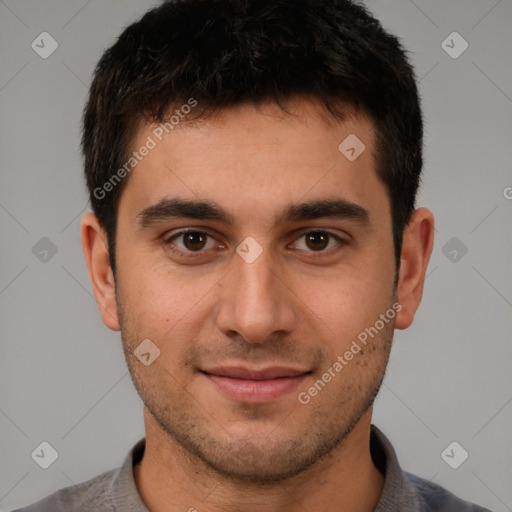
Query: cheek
[
  {"x": 345, "y": 303},
  {"x": 165, "y": 305}
]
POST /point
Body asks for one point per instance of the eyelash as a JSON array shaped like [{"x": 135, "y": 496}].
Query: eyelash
[{"x": 196, "y": 254}]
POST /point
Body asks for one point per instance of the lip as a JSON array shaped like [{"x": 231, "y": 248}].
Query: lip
[{"x": 255, "y": 385}]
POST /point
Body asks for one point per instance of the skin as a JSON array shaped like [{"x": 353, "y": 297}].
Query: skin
[{"x": 296, "y": 305}]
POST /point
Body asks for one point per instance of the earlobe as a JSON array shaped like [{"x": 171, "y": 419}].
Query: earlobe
[
  {"x": 417, "y": 247},
  {"x": 95, "y": 248}
]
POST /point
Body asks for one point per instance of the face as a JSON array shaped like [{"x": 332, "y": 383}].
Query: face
[{"x": 253, "y": 298}]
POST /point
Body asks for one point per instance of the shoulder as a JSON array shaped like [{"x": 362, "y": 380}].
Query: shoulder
[
  {"x": 404, "y": 491},
  {"x": 92, "y": 494},
  {"x": 435, "y": 497}
]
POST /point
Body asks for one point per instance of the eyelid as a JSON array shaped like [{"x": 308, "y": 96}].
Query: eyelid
[
  {"x": 318, "y": 229},
  {"x": 168, "y": 238},
  {"x": 338, "y": 238},
  {"x": 171, "y": 235}
]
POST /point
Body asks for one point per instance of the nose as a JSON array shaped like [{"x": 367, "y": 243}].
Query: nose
[{"x": 256, "y": 302}]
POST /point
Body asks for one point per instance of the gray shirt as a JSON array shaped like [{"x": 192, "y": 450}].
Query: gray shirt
[{"x": 115, "y": 490}]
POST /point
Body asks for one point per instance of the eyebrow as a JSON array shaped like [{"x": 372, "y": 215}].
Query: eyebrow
[{"x": 167, "y": 208}]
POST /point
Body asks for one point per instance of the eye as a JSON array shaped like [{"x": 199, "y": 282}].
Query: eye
[
  {"x": 191, "y": 242},
  {"x": 317, "y": 241},
  {"x": 194, "y": 243}
]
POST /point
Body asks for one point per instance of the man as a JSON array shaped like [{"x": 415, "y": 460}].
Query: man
[{"x": 252, "y": 168}]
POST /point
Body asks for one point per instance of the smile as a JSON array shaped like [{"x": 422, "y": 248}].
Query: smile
[{"x": 255, "y": 386}]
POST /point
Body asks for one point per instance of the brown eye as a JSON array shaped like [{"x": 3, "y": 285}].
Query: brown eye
[
  {"x": 317, "y": 240},
  {"x": 194, "y": 240},
  {"x": 187, "y": 243}
]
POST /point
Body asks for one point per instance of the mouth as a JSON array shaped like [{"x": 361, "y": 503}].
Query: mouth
[{"x": 256, "y": 386}]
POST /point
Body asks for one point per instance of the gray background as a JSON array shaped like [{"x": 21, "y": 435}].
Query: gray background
[{"x": 63, "y": 376}]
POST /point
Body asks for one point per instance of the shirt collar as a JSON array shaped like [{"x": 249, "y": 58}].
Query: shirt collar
[
  {"x": 123, "y": 491},
  {"x": 398, "y": 493}
]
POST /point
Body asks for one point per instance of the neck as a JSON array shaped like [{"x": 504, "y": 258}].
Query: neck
[{"x": 168, "y": 478}]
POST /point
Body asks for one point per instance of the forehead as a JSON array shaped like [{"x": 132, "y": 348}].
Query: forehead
[{"x": 255, "y": 159}]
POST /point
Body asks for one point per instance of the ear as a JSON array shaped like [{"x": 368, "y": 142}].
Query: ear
[
  {"x": 417, "y": 246},
  {"x": 95, "y": 247}
]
